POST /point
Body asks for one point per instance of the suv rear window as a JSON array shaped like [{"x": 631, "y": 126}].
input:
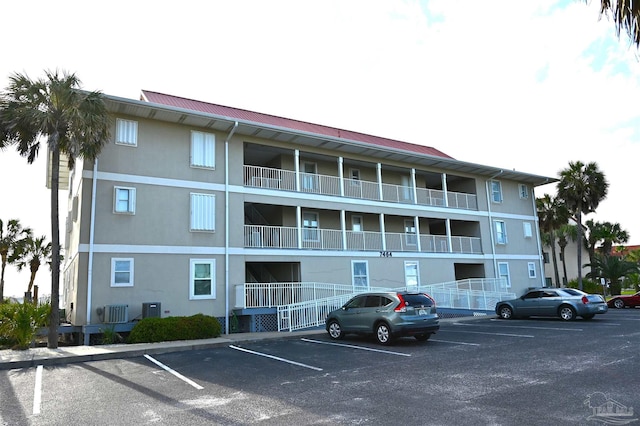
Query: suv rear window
[{"x": 417, "y": 300}]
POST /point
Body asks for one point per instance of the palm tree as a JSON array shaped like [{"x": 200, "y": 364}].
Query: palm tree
[
  {"x": 581, "y": 188},
  {"x": 10, "y": 241},
  {"x": 591, "y": 239},
  {"x": 612, "y": 268},
  {"x": 564, "y": 234},
  {"x": 551, "y": 214},
  {"x": 75, "y": 123},
  {"x": 612, "y": 233},
  {"x": 33, "y": 252},
  {"x": 626, "y": 16}
]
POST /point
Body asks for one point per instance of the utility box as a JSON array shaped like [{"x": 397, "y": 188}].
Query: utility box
[{"x": 151, "y": 310}]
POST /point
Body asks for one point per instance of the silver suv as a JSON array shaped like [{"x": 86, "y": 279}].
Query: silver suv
[{"x": 386, "y": 315}]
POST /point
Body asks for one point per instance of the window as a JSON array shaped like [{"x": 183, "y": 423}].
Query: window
[
  {"x": 203, "y": 215},
  {"x": 356, "y": 224},
  {"x": 410, "y": 232},
  {"x": 203, "y": 150},
  {"x": 503, "y": 272},
  {"x": 126, "y": 132},
  {"x": 309, "y": 177},
  {"x": 528, "y": 230},
  {"x": 496, "y": 191},
  {"x": 501, "y": 232},
  {"x": 124, "y": 200},
  {"x": 545, "y": 256},
  {"x": 355, "y": 177},
  {"x": 531, "y": 266},
  {"x": 121, "y": 272},
  {"x": 311, "y": 231},
  {"x": 359, "y": 274},
  {"x": 524, "y": 191},
  {"x": 411, "y": 277},
  {"x": 202, "y": 282}
]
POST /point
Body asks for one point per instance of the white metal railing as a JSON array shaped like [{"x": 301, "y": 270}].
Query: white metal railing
[
  {"x": 264, "y": 236},
  {"x": 297, "y": 316},
  {"x": 364, "y": 241},
  {"x": 269, "y": 295},
  {"x": 272, "y": 178}
]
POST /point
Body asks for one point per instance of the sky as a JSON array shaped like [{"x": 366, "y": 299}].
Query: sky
[{"x": 524, "y": 85}]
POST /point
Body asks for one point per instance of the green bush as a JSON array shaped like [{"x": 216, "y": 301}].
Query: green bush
[
  {"x": 19, "y": 323},
  {"x": 588, "y": 285},
  {"x": 175, "y": 328}
]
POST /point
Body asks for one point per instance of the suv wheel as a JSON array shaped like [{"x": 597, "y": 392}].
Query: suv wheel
[
  {"x": 505, "y": 312},
  {"x": 383, "y": 333},
  {"x": 335, "y": 332}
]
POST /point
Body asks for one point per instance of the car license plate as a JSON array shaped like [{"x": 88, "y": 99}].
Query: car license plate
[
  {"x": 601, "y": 308},
  {"x": 422, "y": 312}
]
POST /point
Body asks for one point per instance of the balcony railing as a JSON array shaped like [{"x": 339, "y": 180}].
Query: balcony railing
[
  {"x": 286, "y": 237},
  {"x": 285, "y": 180}
]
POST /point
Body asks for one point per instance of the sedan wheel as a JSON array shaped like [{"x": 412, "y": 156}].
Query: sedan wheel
[
  {"x": 383, "y": 334},
  {"x": 506, "y": 312},
  {"x": 335, "y": 332},
  {"x": 567, "y": 313},
  {"x": 618, "y": 303}
]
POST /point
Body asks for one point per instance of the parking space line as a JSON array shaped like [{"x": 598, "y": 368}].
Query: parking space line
[
  {"x": 37, "y": 392},
  {"x": 175, "y": 373},
  {"x": 523, "y": 326},
  {"x": 238, "y": 348},
  {"x": 455, "y": 343},
  {"x": 492, "y": 334},
  {"x": 364, "y": 348}
]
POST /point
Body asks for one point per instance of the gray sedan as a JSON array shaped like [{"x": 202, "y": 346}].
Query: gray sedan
[{"x": 566, "y": 303}]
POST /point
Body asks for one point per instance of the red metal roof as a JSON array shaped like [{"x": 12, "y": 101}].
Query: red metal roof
[{"x": 286, "y": 123}]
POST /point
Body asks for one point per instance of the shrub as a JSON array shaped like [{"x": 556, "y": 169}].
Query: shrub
[
  {"x": 175, "y": 328},
  {"x": 588, "y": 285},
  {"x": 19, "y": 323}
]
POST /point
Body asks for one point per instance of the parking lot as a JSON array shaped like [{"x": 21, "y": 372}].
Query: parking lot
[{"x": 475, "y": 372}]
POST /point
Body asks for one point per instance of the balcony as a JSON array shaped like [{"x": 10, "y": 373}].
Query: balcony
[
  {"x": 285, "y": 237},
  {"x": 286, "y": 180}
]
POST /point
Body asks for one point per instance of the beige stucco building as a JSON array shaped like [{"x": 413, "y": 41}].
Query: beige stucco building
[{"x": 190, "y": 200}]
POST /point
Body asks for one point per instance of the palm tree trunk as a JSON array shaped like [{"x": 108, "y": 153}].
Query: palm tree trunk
[
  {"x": 564, "y": 266},
  {"x": 555, "y": 260},
  {"x": 4, "y": 264},
  {"x": 54, "y": 317},
  {"x": 580, "y": 231}
]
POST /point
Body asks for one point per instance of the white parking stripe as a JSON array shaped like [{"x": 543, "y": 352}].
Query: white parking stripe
[
  {"x": 175, "y": 373},
  {"x": 455, "y": 343},
  {"x": 320, "y": 342},
  {"x": 37, "y": 392},
  {"x": 275, "y": 357},
  {"x": 482, "y": 332},
  {"x": 523, "y": 326}
]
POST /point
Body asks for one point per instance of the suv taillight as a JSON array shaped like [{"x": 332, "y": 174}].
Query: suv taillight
[
  {"x": 585, "y": 300},
  {"x": 432, "y": 299},
  {"x": 402, "y": 306}
]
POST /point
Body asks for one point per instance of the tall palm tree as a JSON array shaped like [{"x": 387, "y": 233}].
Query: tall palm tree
[
  {"x": 626, "y": 16},
  {"x": 11, "y": 239},
  {"x": 74, "y": 122},
  {"x": 593, "y": 236},
  {"x": 33, "y": 253},
  {"x": 581, "y": 187},
  {"x": 564, "y": 234},
  {"x": 614, "y": 269},
  {"x": 551, "y": 215}
]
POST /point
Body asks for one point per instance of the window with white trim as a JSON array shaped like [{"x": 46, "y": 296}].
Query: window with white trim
[
  {"x": 501, "y": 232},
  {"x": 356, "y": 223},
  {"x": 203, "y": 150},
  {"x": 311, "y": 226},
  {"x": 126, "y": 132},
  {"x": 355, "y": 177},
  {"x": 124, "y": 200},
  {"x": 121, "y": 272},
  {"x": 202, "y": 282},
  {"x": 360, "y": 274},
  {"x": 528, "y": 229},
  {"x": 411, "y": 276},
  {"x": 531, "y": 266},
  {"x": 203, "y": 212},
  {"x": 503, "y": 272},
  {"x": 309, "y": 176},
  {"x": 524, "y": 191},
  {"x": 410, "y": 232},
  {"x": 496, "y": 191}
]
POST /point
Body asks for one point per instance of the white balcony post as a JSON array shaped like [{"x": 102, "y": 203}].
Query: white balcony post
[
  {"x": 297, "y": 168},
  {"x": 448, "y": 223},
  {"x": 379, "y": 175},
  {"x": 417, "y": 226},
  {"x": 415, "y": 190},
  {"x": 343, "y": 225},
  {"x": 341, "y": 175},
  {"x": 444, "y": 189},
  {"x": 382, "y": 233},
  {"x": 299, "y": 225}
]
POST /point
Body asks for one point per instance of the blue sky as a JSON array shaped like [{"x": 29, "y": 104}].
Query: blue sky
[{"x": 522, "y": 85}]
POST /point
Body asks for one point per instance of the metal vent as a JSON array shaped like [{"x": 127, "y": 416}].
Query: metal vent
[{"x": 116, "y": 314}]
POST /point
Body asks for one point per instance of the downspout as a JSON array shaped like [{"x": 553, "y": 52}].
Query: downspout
[
  {"x": 493, "y": 241},
  {"x": 92, "y": 227},
  {"x": 226, "y": 227}
]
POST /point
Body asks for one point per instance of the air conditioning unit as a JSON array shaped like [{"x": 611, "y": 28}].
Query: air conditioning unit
[
  {"x": 116, "y": 314},
  {"x": 151, "y": 310}
]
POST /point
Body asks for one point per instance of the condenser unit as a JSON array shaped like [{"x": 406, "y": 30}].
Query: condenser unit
[
  {"x": 151, "y": 310},
  {"x": 116, "y": 314}
]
